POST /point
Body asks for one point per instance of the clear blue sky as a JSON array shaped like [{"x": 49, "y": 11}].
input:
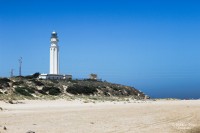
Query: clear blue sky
[{"x": 153, "y": 45}]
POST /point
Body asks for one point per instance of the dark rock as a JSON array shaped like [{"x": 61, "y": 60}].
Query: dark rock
[
  {"x": 10, "y": 101},
  {"x": 30, "y": 131}
]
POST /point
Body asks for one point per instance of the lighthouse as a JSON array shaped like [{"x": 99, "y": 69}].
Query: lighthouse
[
  {"x": 54, "y": 54},
  {"x": 54, "y": 73}
]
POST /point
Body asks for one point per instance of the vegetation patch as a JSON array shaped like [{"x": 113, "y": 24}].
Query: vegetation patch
[
  {"x": 45, "y": 89},
  {"x": 116, "y": 88},
  {"x": 4, "y": 83},
  {"x": 18, "y": 83},
  {"x": 54, "y": 81},
  {"x": 4, "y": 80},
  {"x": 42, "y": 92},
  {"x": 78, "y": 89},
  {"x": 51, "y": 90},
  {"x": 31, "y": 86},
  {"x": 30, "y": 90},
  {"x": 54, "y": 91},
  {"x": 34, "y": 76},
  {"x": 23, "y": 91},
  {"x": 38, "y": 83}
]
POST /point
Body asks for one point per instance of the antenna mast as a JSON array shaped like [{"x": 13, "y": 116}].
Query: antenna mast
[
  {"x": 20, "y": 66},
  {"x": 11, "y": 73}
]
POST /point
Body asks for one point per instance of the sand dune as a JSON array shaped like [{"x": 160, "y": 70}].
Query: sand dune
[{"x": 61, "y": 116}]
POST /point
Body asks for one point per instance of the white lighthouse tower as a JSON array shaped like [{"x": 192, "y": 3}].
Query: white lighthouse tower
[
  {"x": 54, "y": 54},
  {"x": 54, "y": 61}
]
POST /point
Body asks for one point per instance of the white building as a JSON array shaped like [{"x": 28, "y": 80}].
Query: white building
[
  {"x": 51, "y": 76},
  {"x": 54, "y": 76},
  {"x": 54, "y": 61}
]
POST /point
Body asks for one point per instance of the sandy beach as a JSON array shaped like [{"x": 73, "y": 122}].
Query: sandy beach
[{"x": 62, "y": 116}]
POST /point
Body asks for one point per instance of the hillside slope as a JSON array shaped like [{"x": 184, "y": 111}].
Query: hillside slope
[{"x": 33, "y": 87}]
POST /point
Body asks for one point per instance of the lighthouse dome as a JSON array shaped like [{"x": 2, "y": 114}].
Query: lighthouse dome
[{"x": 54, "y": 34}]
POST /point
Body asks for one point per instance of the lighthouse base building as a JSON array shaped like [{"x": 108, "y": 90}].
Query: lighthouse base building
[
  {"x": 54, "y": 61},
  {"x": 54, "y": 76}
]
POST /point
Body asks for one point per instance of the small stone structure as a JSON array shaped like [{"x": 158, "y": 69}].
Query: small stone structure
[{"x": 93, "y": 76}]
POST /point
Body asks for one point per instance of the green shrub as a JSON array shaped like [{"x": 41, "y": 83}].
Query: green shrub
[
  {"x": 30, "y": 90},
  {"x": 78, "y": 89},
  {"x": 42, "y": 92},
  {"x": 45, "y": 89},
  {"x": 131, "y": 92},
  {"x": 54, "y": 81},
  {"x": 22, "y": 91},
  {"x": 4, "y": 83},
  {"x": 106, "y": 93},
  {"x": 54, "y": 91},
  {"x": 51, "y": 90},
  {"x": 18, "y": 83},
  {"x": 28, "y": 77},
  {"x": 74, "y": 81},
  {"x": 34, "y": 76},
  {"x": 116, "y": 88},
  {"x": 4, "y": 80},
  {"x": 2, "y": 86},
  {"x": 38, "y": 83}
]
